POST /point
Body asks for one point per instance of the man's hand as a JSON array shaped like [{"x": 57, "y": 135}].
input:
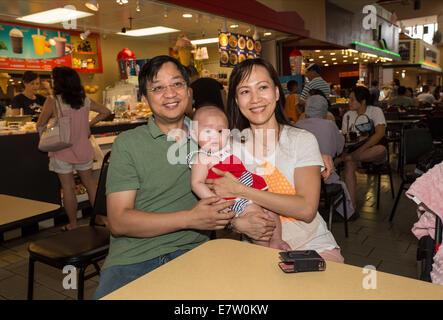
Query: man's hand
[
  {"x": 329, "y": 166},
  {"x": 207, "y": 214}
]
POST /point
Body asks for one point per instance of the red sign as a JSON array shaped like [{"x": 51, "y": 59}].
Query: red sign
[{"x": 35, "y": 64}]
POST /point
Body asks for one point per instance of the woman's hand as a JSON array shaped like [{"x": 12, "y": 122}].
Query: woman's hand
[
  {"x": 329, "y": 166},
  {"x": 256, "y": 225},
  {"x": 227, "y": 186}
]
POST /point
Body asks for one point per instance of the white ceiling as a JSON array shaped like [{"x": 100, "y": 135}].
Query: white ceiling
[{"x": 112, "y": 17}]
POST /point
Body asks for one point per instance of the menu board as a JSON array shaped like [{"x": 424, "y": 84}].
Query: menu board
[
  {"x": 29, "y": 48},
  {"x": 234, "y": 48}
]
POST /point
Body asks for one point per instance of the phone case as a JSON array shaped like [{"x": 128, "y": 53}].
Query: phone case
[{"x": 301, "y": 261}]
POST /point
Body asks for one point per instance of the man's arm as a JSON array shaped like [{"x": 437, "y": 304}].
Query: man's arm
[{"x": 124, "y": 220}]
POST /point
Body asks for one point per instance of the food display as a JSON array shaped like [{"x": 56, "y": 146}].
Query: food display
[{"x": 235, "y": 48}]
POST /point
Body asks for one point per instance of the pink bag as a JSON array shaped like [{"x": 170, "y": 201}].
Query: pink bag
[{"x": 56, "y": 136}]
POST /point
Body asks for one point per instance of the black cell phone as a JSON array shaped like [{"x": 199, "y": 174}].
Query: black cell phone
[{"x": 301, "y": 261}]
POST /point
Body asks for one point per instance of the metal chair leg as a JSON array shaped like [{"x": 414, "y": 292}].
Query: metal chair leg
[
  {"x": 81, "y": 283},
  {"x": 31, "y": 278},
  {"x": 392, "y": 184},
  {"x": 378, "y": 189},
  {"x": 345, "y": 213},
  {"x": 397, "y": 199}
]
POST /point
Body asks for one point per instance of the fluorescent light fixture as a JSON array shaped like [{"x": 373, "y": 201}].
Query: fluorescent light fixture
[
  {"x": 148, "y": 31},
  {"x": 55, "y": 16},
  {"x": 375, "y": 48},
  {"x": 365, "y": 60},
  {"x": 345, "y": 56},
  {"x": 326, "y": 64},
  {"x": 389, "y": 59},
  {"x": 345, "y": 60},
  {"x": 332, "y": 53},
  {"x": 317, "y": 50},
  {"x": 354, "y": 62},
  {"x": 372, "y": 55},
  {"x": 324, "y": 61},
  {"x": 321, "y": 57},
  {"x": 233, "y": 26},
  {"x": 356, "y": 58},
  {"x": 352, "y": 50},
  {"x": 204, "y": 41},
  {"x": 267, "y": 33},
  {"x": 334, "y": 59},
  {"x": 311, "y": 60},
  {"x": 187, "y": 15},
  {"x": 335, "y": 63}
]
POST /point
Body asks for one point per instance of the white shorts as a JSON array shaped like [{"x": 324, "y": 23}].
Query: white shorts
[{"x": 59, "y": 166}]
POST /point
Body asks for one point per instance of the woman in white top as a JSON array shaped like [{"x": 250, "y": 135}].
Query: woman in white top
[
  {"x": 287, "y": 158},
  {"x": 366, "y": 119}
]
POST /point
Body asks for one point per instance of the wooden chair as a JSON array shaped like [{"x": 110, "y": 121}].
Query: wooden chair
[{"x": 79, "y": 247}]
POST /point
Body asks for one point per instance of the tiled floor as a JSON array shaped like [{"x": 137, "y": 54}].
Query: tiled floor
[{"x": 372, "y": 241}]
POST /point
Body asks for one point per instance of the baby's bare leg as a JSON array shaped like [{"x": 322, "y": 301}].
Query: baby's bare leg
[{"x": 253, "y": 207}]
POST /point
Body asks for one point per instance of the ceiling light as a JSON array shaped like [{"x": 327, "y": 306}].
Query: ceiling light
[
  {"x": 165, "y": 14},
  {"x": 85, "y": 35},
  {"x": 332, "y": 53},
  {"x": 267, "y": 33},
  {"x": 137, "y": 8},
  {"x": 324, "y": 61},
  {"x": 55, "y": 16},
  {"x": 356, "y": 58},
  {"x": 233, "y": 26},
  {"x": 352, "y": 50},
  {"x": 326, "y": 64},
  {"x": 354, "y": 62},
  {"x": 92, "y": 4},
  {"x": 389, "y": 59},
  {"x": 321, "y": 57},
  {"x": 148, "y": 31},
  {"x": 120, "y": 2},
  {"x": 334, "y": 59},
  {"x": 345, "y": 60},
  {"x": 311, "y": 60},
  {"x": 335, "y": 63},
  {"x": 345, "y": 56},
  {"x": 372, "y": 55},
  {"x": 317, "y": 50},
  {"x": 366, "y": 60},
  {"x": 204, "y": 41},
  {"x": 256, "y": 35},
  {"x": 187, "y": 15}
]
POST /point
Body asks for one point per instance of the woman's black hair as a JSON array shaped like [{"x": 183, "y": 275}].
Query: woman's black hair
[
  {"x": 29, "y": 76},
  {"x": 151, "y": 68},
  {"x": 362, "y": 93},
  {"x": 241, "y": 72},
  {"x": 67, "y": 84}
]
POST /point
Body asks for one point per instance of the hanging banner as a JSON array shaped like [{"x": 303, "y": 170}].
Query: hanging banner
[
  {"x": 234, "y": 48},
  {"x": 23, "y": 47}
]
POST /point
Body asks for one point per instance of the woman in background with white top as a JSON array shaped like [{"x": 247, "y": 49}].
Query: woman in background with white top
[
  {"x": 367, "y": 120},
  {"x": 69, "y": 98}
]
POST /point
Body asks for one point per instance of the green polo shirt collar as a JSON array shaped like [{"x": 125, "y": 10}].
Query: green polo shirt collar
[{"x": 155, "y": 131}]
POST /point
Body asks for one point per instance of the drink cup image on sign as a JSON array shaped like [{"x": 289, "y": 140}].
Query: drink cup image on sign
[
  {"x": 60, "y": 46},
  {"x": 16, "y": 37}
]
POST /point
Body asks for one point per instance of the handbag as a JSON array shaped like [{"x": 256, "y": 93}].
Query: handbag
[{"x": 56, "y": 136}]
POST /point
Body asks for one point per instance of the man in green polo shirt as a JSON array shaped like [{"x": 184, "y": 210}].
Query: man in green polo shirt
[{"x": 153, "y": 214}]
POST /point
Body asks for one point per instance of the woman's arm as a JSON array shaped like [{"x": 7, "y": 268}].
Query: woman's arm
[
  {"x": 301, "y": 206},
  {"x": 103, "y": 112},
  {"x": 47, "y": 112}
]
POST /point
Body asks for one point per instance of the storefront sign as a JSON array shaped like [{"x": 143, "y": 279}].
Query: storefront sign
[
  {"x": 23, "y": 47},
  {"x": 234, "y": 48}
]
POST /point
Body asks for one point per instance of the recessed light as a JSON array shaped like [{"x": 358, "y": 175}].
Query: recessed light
[
  {"x": 335, "y": 63},
  {"x": 326, "y": 64},
  {"x": 92, "y": 4},
  {"x": 317, "y": 50},
  {"x": 148, "y": 31},
  {"x": 366, "y": 60},
  {"x": 345, "y": 56},
  {"x": 372, "y": 55},
  {"x": 321, "y": 57},
  {"x": 355, "y": 62},
  {"x": 332, "y": 53},
  {"x": 311, "y": 59},
  {"x": 356, "y": 58},
  {"x": 55, "y": 16},
  {"x": 267, "y": 33},
  {"x": 324, "y": 61},
  {"x": 187, "y": 15},
  {"x": 233, "y": 26},
  {"x": 334, "y": 59},
  {"x": 345, "y": 60},
  {"x": 352, "y": 50}
]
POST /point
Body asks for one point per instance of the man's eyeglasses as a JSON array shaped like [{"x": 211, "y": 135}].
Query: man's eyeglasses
[{"x": 179, "y": 85}]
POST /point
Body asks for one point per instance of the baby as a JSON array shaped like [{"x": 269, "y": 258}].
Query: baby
[{"x": 212, "y": 136}]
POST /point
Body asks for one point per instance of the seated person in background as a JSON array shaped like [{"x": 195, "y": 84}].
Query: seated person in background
[
  {"x": 401, "y": 99},
  {"x": 30, "y": 101},
  {"x": 365, "y": 119},
  {"x": 329, "y": 115},
  {"x": 425, "y": 97},
  {"x": 292, "y": 108},
  {"x": 410, "y": 93},
  {"x": 210, "y": 130},
  {"x": 208, "y": 90},
  {"x": 438, "y": 94},
  {"x": 329, "y": 138}
]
